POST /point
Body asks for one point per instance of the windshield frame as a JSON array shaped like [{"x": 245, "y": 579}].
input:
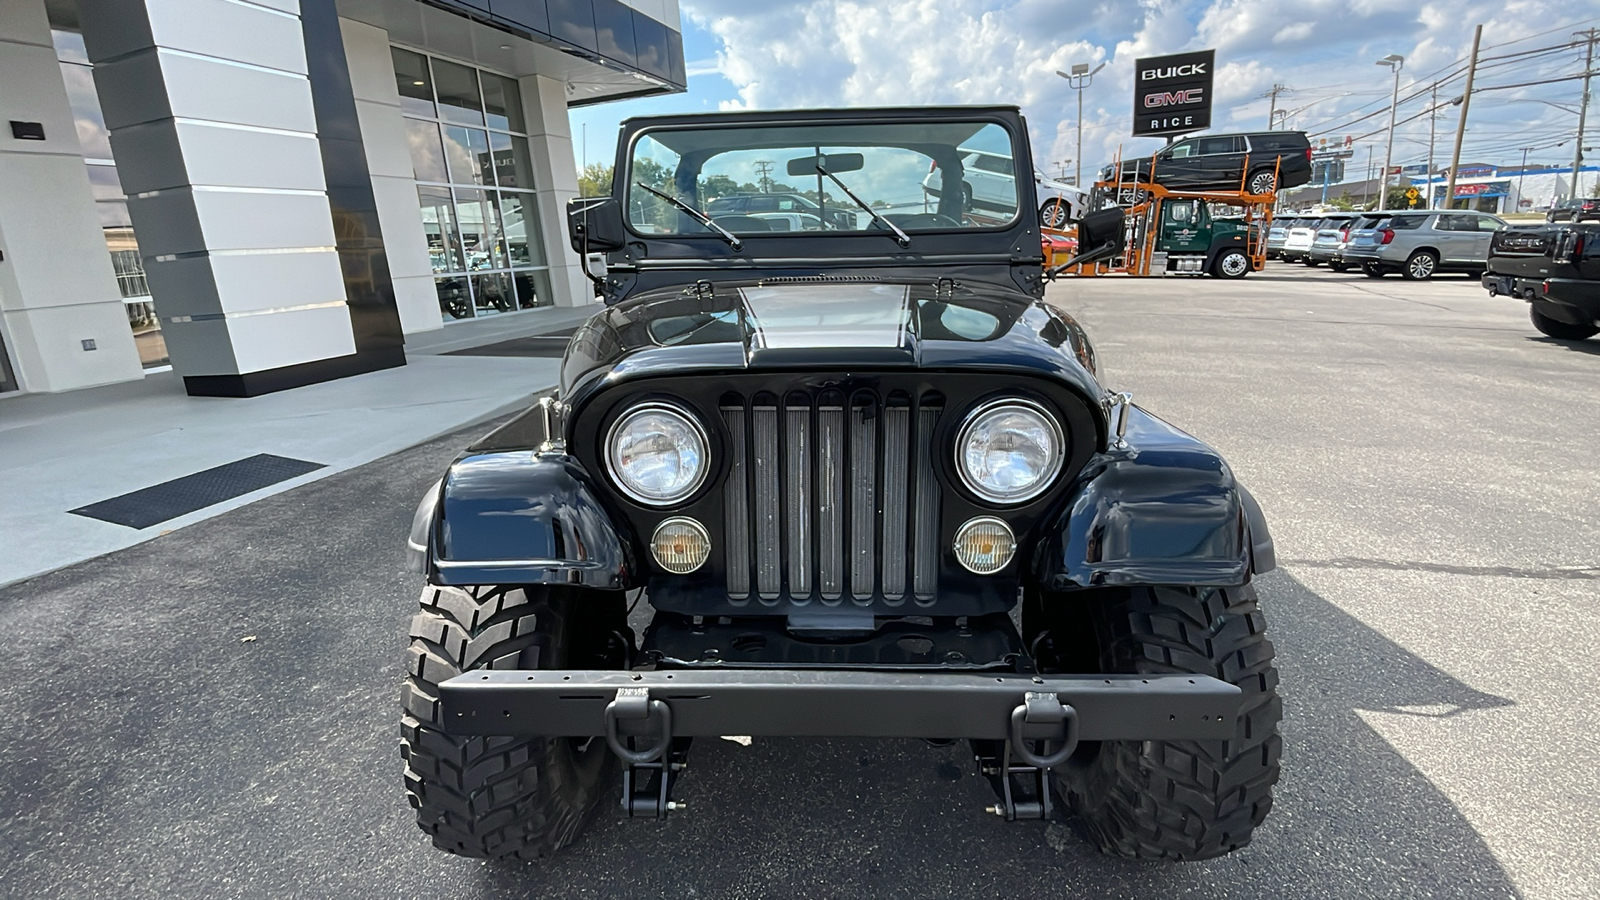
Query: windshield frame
[{"x": 981, "y": 116}]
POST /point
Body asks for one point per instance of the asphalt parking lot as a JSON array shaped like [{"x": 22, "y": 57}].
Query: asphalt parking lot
[{"x": 213, "y": 713}]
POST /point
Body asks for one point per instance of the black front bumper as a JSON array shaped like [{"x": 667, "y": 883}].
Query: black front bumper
[{"x": 821, "y": 703}]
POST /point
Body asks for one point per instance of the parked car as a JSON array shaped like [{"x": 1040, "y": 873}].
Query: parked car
[
  {"x": 838, "y": 215},
  {"x": 1277, "y": 234},
  {"x": 1578, "y": 209},
  {"x": 1556, "y": 269},
  {"x": 1424, "y": 243},
  {"x": 1327, "y": 240},
  {"x": 990, "y": 189},
  {"x": 789, "y": 221},
  {"x": 1225, "y": 162},
  {"x": 1297, "y": 242},
  {"x": 833, "y": 470},
  {"x": 1060, "y": 203}
]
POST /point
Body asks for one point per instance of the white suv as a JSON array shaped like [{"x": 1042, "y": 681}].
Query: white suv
[{"x": 991, "y": 188}]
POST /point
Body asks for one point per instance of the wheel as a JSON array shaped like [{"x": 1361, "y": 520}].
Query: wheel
[
  {"x": 1337, "y": 266},
  {"x": 522, "y": 797},
  {"x": 1556, "y": 328},
  {"x": 1262, "y": 181},
  {"x": 1231, "y": 264},
  {"x": 1310, "y": 262},
  {"x": 1182, "y": 800},
  {"x": 966, "y": 198},
  {"x": 1420, "y": 266},
  {"x": 1053, "y": 214},
  {"x": 1372, "y": 270}
]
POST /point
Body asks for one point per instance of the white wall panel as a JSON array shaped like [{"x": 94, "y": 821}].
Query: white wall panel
[
  {"x": 206, "y": 89},
  {"x": 204, "y": 347},
  {"x": 292, "y": 337},
  {"x": 55, "y": 250},
  {"x": 418, "y": 302},
  {"x": 31, "y": 91},
  {"x": 383, "y": 134},
  {"x": 366, "y": 49},
  {"x": 247, "y": 220},
  {"x": 235, "y": 31},
  {"x": 253, "y": 281},
  {"x": 221, "y": 155},
  {"x": 48, "y": 345},
  {"x": 400, "y": 217}
]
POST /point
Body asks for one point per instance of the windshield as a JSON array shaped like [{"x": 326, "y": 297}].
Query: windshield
[{"x": 798, "y": 178}]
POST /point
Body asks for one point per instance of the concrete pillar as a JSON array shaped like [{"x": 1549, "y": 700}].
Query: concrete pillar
[
  {"x": 247, "y": 184},
  {"x": 394, "y": 186},
  {"x": 58, "y": 293},
  {"x": 555, "y": 175}
]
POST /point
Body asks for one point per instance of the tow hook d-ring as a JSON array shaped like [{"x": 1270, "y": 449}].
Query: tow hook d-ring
[
  {"x": 1036, "y": 711},
  {"x": 635, "y": 703}
]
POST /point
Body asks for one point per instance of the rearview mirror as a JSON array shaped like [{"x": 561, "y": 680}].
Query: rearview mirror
[
  {"x": 833, "y": 162},
  {"x": 594, "y": 225}
]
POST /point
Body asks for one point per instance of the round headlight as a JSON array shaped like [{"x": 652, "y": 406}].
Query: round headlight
[
  {"x": 1009, "y": 451},
  {"x": 658, "y": 454}
]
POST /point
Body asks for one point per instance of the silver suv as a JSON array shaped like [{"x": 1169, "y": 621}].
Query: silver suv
[{"x": 1419, "y": 244}]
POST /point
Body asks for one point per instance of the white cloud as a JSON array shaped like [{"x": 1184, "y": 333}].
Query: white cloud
[{"x": 800, "y": 53}]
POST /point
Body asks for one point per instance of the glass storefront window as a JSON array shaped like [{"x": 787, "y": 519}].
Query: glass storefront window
[
  {"x": 415, "y": 84},
  {"x": 467, "y": 150},
  {"x": 515, "y": 214},
  {"x": 512, "y": 167},
  {"x": 475, "y": 187},
  {"x": 502, "y": 102},
  {"x": 439, "y": 225},
  {"x": 457, "y": 86},
  {"x": 427, "y": 153}
]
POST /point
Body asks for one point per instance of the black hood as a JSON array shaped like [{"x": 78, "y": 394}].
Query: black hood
[{"x": 829, "y": 324}]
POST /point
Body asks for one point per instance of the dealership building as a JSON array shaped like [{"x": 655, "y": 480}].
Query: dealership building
[{"x": 262, "y": 194}]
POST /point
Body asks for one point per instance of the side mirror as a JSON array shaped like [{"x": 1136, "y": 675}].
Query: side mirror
[
  {"x": 1101, "y": 235},
  {"x": 594, "y": 225}
]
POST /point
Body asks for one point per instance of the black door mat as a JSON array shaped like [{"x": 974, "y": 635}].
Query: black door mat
[
  {"x": 552, "y": 344},
  {"x": 181, "y": 496}
]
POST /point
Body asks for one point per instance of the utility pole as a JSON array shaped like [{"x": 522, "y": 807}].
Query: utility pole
[
  {"x": 1592, "y": 35},
  {"x": 1272, "y": 110},
  {"x": 1394, "y": 61},
  {"x": 763, "y": 169},
  {"x": 1520, "y": 173},
  {"x": 1080, "y": 78},
  {"x": 1433, "y": 116},
  {"x": 1461, "y": 126}
]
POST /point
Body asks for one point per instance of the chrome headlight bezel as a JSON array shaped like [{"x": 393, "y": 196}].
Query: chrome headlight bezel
[
  {"x": 1010, "y": 404},
  {"x": 632, "y": 491}
]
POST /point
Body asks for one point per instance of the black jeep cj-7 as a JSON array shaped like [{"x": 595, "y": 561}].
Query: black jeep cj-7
[{"x": 835, "y": 459}]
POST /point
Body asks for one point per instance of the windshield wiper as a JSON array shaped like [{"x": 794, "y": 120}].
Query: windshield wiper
[
  {"x": 900, "y": 236},
  {"x": 702, "y": 218}
]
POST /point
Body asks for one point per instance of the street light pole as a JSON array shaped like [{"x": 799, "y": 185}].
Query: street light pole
[
  {"x": 1394, "y": 61},
  {"x": 1080, "y": 77}
]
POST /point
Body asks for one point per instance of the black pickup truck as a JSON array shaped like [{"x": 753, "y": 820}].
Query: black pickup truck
[{"x": 1556, "y": 269}]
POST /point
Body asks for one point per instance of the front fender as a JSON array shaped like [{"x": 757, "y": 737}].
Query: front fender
[
  {"x": 1164, "y": 510},
  {"x": 518, "y": 517}
]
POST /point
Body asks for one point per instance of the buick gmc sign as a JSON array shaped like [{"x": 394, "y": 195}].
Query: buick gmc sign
[{"x": 1172, "y": 94}]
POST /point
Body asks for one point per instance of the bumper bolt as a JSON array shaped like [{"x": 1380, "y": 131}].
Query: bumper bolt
[{"x": 996, "y": 809}]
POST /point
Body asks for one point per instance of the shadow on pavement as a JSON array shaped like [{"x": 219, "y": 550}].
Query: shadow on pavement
[
  {"x": 214, "y": 713},
  {"x": 1590, "y": 346}
]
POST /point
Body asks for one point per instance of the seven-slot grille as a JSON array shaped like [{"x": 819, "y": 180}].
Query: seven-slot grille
[{"x": 832, "y": 498}]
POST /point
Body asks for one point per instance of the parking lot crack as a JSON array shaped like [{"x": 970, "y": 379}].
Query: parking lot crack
[{"x": 1559, "y": 573}]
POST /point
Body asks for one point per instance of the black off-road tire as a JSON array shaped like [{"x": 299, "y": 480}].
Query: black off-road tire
[
  {"x": 1372, "y": 271},
  {"x": 522, "y": 797},
  {"x": 1564, "y": 331},
  {"x": 1178, "y": 800}
]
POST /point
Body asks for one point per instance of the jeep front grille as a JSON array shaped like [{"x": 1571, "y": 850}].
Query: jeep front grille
[{"x": 831, "y": 499}]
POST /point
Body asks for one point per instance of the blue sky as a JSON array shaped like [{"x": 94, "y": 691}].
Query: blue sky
[{"x": 796, "y": 53}]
